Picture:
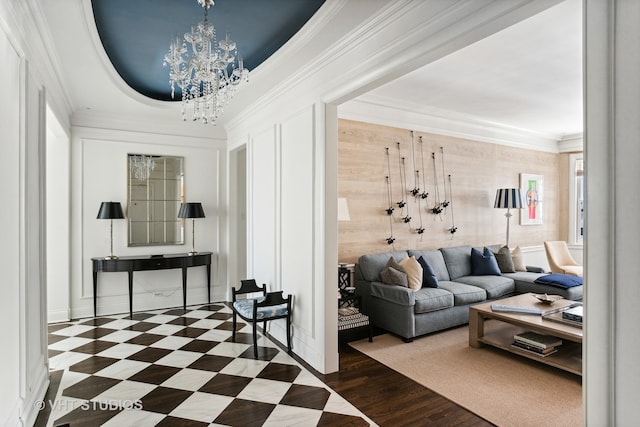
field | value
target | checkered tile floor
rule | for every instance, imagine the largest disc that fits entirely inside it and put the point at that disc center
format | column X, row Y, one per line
column 179, row 368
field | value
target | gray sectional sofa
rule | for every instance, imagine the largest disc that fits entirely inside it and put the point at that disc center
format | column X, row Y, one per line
column 410, row 313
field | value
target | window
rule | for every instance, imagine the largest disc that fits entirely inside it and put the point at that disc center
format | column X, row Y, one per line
column 576, row 198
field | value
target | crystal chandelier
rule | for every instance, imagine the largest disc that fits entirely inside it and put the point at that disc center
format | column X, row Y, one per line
column 141, row 166
column 209, row 76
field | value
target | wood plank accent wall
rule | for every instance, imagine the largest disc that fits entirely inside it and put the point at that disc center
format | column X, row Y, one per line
column 477, row 170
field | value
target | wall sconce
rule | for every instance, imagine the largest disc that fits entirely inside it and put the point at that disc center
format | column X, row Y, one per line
column 191, row 210
column 110, row 211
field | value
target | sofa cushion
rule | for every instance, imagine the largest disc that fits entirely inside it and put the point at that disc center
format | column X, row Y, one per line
column 435, row 259
column 432, row 299
column 412, row 267
column 458, row 261
column 464, row 294
column 505, row 261
column 495, row 286
column 518, row 259
column 371, row 265
column 429, row 279
column 393, row 276
column 484, row 263
column 561, row 280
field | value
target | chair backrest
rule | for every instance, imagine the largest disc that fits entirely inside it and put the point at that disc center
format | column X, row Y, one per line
column 558, row 255
column 273, row 299
column 249, row 286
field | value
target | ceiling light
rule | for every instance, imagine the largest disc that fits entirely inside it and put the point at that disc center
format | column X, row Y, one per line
column 206, row 74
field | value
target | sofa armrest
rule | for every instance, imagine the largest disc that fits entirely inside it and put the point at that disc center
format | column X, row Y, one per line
column 395, row 294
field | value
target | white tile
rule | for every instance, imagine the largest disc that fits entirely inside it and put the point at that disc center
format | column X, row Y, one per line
column 189, row 379
column 161, row 318
column 70, row 378
column 339, row 405
column 120, row 336
column 284, row 358
column 171, row 342
column 165, row 329
column 73, row 330
column 135, row 417
column 121, row 351
column 206, row 323
column 284, row 415
column 125, row 391
column 215, row 335
column 122, row 369
column 307, row 378
column 63, row 405
column 203, row 407
column 198, row 314
column 179, row 358
column 69, row 343
column 229, row 349
column 66, row 359
column 120, row 324
column 244, row 367
column 262, row 390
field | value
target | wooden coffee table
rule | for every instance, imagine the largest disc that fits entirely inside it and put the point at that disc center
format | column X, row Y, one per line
column 500, row 335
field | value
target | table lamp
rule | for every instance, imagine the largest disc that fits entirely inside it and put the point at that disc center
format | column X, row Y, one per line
column 191, row 210
column 509, row 198
column 110, row 211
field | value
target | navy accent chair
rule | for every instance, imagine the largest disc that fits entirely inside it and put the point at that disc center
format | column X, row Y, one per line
column 269, row 306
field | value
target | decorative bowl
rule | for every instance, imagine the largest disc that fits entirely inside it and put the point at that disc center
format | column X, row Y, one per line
column 548, row 299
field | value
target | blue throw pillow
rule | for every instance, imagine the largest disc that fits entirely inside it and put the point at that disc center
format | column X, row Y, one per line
column 484, row 263
column 429, row 279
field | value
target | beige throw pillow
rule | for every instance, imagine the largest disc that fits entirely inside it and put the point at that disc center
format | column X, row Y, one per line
column 518, row 259
column 412, row 267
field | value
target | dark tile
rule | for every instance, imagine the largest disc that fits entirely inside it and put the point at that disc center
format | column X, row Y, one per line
column 180, row 422
column 150, row 354
column 280, row 372
column 155, row 374
column 243, row 338
column 246, row 413
column 91, row 417
column 53, row 353
column 220, row 316
column 176, row 312
column 98, row 321
column 191, row 332
column 164, row 400
column 306, row 397
column 141, row 327
column 94, row 347
column 211, row 363
column 92, row 364
column 212, row 307
column 55, row 338
column 226, row 326
column 145, row 339
column 200, row 346
column 227, row 385
column 140, row 316
column 264, row 353
column 97, row 333
column 331, row 419
column 89, row 387
column 57, row 326
column 183, row 321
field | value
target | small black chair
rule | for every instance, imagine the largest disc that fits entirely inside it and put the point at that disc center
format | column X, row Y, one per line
column 270, row 306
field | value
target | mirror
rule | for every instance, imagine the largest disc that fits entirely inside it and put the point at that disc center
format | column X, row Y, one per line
column 156, row 189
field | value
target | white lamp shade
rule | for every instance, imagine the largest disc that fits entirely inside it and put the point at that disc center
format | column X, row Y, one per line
column 508, row 198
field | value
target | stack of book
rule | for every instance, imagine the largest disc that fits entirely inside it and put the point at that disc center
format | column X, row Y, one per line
column 574, row 314
column 538, row 344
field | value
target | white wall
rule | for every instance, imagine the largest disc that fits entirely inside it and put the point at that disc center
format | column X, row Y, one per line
column 99, row 162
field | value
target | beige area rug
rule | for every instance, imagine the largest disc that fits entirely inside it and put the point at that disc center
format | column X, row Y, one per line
column 503, row 388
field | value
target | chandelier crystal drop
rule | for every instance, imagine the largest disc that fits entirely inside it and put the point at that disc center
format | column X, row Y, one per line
column 209, row 74
column 141, row 166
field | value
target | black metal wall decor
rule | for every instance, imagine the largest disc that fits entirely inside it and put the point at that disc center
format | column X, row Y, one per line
column 453, row 228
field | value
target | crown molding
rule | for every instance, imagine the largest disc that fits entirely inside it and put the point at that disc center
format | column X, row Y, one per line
column 441, row 122
column 571, row 143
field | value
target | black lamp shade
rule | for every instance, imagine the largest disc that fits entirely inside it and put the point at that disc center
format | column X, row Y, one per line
column 191, row 210
column 508, row 198
column 110, row 210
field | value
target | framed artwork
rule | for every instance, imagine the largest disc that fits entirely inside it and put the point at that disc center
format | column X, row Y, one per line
column 532, row 187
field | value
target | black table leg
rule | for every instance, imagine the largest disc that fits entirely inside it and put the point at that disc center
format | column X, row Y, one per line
column 131, row 294
column 95, row 291
column 184, row 288
column 209, row 283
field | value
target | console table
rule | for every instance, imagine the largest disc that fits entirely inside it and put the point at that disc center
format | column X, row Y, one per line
column 151, row 262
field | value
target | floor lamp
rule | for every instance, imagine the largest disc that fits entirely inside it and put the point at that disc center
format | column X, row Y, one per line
column 110, row 211
column 508, row 198
column 191, row 210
